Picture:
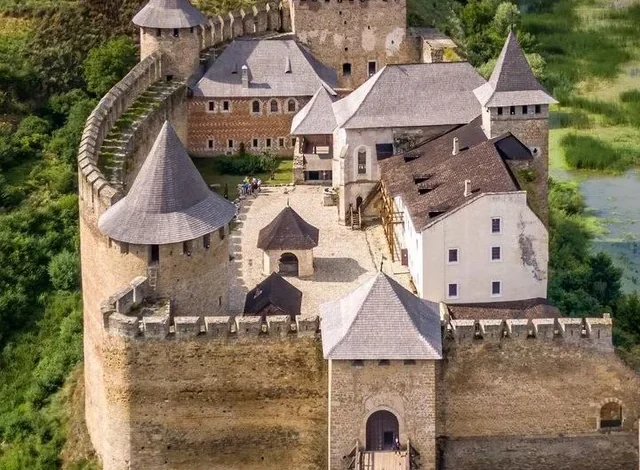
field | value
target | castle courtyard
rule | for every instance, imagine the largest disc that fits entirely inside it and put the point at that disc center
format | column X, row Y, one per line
column 343, row 258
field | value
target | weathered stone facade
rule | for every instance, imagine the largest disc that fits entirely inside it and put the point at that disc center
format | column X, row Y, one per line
column 180, row 49
column 408, row 390
column 355, row 38
column 271, row 261
column 233, row 119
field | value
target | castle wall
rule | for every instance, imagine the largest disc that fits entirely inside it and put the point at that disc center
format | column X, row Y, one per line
column 181, row 52
column 257, row 19
column 241, row 125
column 533, row 130
column 515, row 387
column 406, row 390
column 198, row 403
column 355, row 32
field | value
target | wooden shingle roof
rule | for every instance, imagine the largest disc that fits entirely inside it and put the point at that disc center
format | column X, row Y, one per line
column 169, row 202
column 274, row 291
column 169, row 14
column 288, row 231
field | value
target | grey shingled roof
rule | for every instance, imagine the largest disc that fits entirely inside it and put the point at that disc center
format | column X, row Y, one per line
column 268, row 61
column 288, row 231
column 169, row 14
column 412, row 96
column 316, row 117
column 432, row 168
column 169, row 202
column 512, row 81
column 274, row 291
column 381, row 320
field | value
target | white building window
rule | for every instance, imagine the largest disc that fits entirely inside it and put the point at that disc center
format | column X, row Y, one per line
column 452, row 291
column 274, row 107
column 496, row 288
column 211, row 144
column 267, row 143
column 226, row 106
column 496, row 253
column 453, row 256
column 362, row 162
column 281, row 141
column 496, row 225
column 292, row 106
column 255, row 143
column 255, row 107
column 211, row 106
column 230, row 143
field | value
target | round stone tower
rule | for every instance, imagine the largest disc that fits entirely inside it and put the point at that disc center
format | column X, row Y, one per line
column 174, row 229
column 174, row 28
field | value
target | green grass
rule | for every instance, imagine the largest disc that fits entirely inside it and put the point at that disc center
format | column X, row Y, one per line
column 207, row 168
column 586, row 152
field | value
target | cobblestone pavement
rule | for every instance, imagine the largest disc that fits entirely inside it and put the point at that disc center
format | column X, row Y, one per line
column 343, row 259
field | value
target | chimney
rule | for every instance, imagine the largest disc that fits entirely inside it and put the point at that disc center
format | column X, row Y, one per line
column 456, row 146
column 245, row 76
column 467, row 188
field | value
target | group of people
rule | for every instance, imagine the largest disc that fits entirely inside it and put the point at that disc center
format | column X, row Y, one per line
column 249, row 186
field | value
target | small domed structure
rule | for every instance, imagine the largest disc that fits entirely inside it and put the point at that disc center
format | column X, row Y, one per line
column 288, row 244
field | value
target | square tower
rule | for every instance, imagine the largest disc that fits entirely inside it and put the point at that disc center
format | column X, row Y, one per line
column 514, row 102
column 355, row 37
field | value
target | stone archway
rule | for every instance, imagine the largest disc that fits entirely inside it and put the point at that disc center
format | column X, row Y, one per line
column 288, row 265
column 382, row 430
column 611, row 415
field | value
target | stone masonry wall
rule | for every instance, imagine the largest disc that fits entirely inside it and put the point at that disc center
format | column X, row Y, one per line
column 241, row 125
column 199, row 404
column 407, row 390
column 181, row 53
column 528, row 387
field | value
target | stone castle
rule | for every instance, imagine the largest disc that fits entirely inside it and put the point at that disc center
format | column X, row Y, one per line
column 379, row 378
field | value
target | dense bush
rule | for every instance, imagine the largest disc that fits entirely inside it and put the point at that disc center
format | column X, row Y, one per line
column 592, row 153
column 247, row 165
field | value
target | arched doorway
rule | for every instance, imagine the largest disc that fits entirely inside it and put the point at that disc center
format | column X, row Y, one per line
column 358, row 202
column 288, row 264
column 382, row 430
column 611, row 416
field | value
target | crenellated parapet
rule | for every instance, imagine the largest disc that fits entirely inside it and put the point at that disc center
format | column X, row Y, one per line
column 589, row 332
column 131, row 313
column 95, row 191
column 254, row 20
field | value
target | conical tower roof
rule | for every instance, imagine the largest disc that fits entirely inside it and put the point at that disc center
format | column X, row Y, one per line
column 169, row 202
column 381, row 320
column 169, row 14
column 512, row 82
column 288, row 231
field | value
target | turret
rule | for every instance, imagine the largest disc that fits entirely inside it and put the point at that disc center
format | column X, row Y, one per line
column 514, row 101
column 174, row 229
column 172, row 27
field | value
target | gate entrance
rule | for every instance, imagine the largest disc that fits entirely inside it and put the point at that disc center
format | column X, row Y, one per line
column 382, row 430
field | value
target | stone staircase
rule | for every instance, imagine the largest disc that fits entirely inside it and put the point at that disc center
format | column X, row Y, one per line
column 113, row 152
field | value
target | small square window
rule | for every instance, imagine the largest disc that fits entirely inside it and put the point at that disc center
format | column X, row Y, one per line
column 226, row 105
column 212, row 106
column 453, row 256
column 176, row 33
column 500, row 111
column 211, row 143
column 496, row 225
column 525, row 110
column 452, row 291
column 159, row 32
column 538, row 109
column 281, row 142
column 268, row 143
column 357, row 363
column 230, row 143
column 346, row 69
column 512, row 110
column 254, row 143
column 383, row 362
column 496, row 253
column 496, row 289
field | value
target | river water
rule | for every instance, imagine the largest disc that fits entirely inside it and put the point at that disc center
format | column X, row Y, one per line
column 615, row 200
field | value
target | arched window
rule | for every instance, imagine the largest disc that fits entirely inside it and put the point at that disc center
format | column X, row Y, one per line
column 288, row 265
column 291, row 106
column 611, row 415
column 273, row 106
column 255, row 106
column 362, row 162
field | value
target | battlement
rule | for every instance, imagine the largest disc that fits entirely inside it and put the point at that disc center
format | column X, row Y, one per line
column 130, row 313
column 254, row 20
column 95, row 191
column 590, row 332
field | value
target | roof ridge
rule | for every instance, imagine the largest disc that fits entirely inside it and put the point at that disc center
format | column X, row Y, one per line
column 371, row 82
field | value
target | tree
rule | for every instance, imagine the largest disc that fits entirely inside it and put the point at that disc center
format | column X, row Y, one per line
column 107, row 64
column 507, row 18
